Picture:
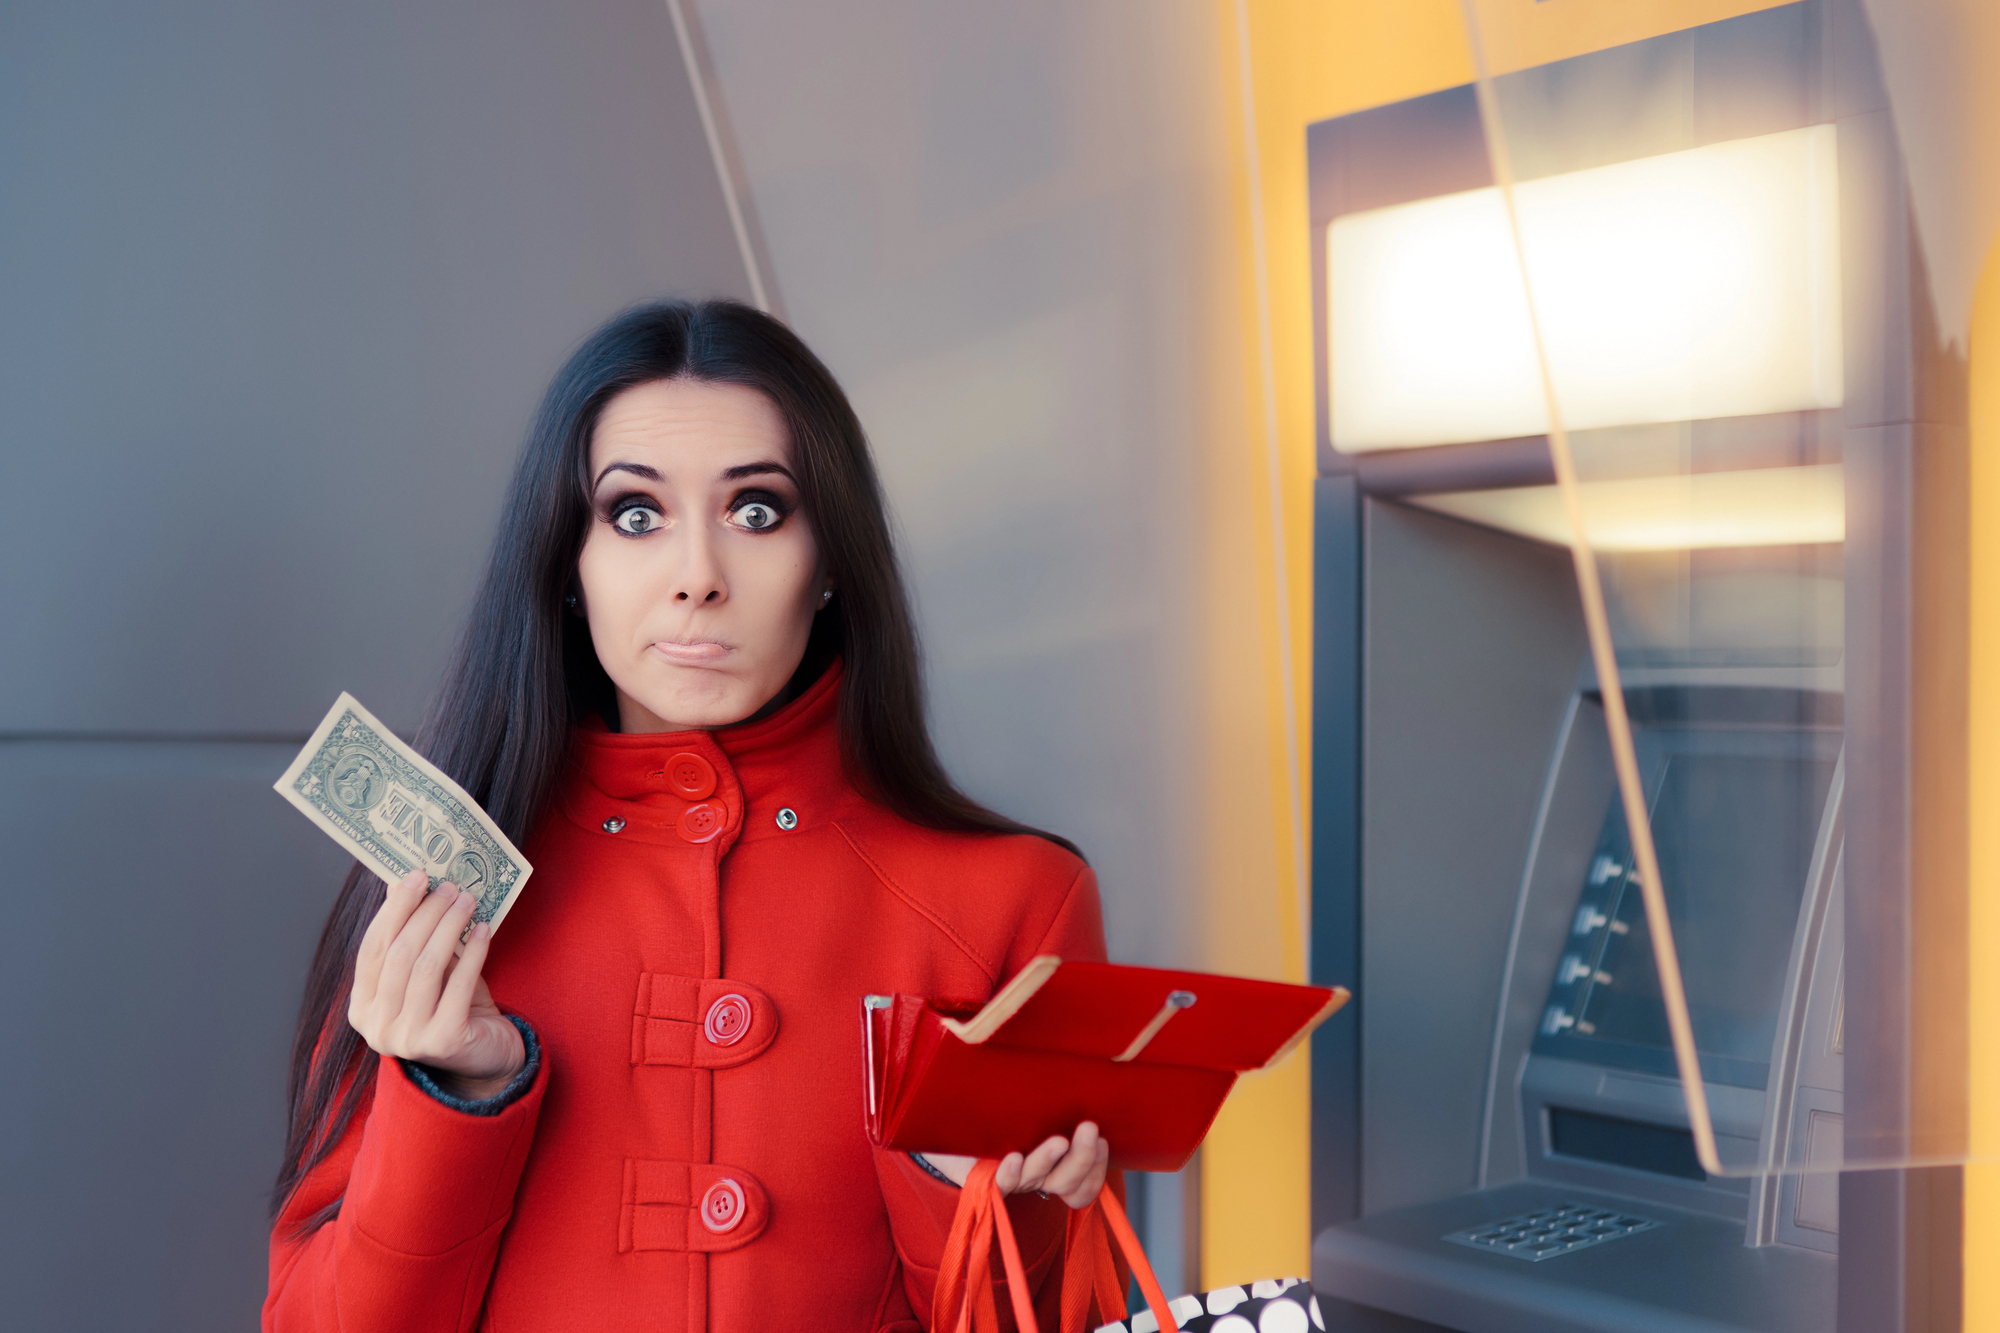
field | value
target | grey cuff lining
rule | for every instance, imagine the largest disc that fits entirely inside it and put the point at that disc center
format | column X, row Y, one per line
column 517, row 1086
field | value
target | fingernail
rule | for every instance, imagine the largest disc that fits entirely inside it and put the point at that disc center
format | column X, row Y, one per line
column 484, row 930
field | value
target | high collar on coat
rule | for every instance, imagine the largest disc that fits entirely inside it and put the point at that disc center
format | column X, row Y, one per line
column 787, row 761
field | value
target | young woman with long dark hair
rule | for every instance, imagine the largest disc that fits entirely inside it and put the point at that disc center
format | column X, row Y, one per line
column 689, row 689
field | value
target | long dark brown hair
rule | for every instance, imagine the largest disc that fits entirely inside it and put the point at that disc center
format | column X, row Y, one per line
column 523, row 672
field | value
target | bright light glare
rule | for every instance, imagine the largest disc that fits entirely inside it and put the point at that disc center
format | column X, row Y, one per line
column 1777, row 506
column 1698, row 284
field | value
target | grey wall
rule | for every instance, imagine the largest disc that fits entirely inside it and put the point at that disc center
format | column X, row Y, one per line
column 995, row 222
column 279, row 283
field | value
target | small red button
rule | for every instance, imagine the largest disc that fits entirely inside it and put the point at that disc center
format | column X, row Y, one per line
column 728, row 1020
column 691, row 777
column 722, row 1206
column 701, row 822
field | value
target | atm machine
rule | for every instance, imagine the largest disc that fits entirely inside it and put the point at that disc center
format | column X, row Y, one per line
column 1501, row 1140
column 1583, row 1114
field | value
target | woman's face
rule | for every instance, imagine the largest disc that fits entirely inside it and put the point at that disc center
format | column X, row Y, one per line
column 699, row 575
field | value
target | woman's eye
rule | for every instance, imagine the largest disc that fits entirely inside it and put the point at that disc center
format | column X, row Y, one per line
column 758, row 516
column 636, row 520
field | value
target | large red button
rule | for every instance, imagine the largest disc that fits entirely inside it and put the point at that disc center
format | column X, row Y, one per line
column 701, row 821
column 691, row 777
column 728, row 1020
column 722, row 1207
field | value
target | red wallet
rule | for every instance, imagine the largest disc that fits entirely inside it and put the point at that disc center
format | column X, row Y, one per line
column 1146, row 1053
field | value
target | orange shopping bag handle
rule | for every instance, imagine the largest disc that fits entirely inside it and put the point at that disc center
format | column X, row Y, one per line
column 963, row 1302
column 1088, row 1269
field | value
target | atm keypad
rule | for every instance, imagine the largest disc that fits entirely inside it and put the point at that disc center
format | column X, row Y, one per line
column 1547, row 1232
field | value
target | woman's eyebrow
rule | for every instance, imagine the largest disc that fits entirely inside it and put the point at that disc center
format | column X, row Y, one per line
column 637, row 469
column 758, row 470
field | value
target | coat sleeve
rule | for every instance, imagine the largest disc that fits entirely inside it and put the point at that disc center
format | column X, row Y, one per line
column 921, row 1207
column 424, row 1191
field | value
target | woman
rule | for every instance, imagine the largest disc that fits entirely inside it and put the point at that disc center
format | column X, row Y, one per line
column 689, row 689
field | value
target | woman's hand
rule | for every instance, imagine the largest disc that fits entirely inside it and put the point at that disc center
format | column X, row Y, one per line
column 1071, row 1169
column 413, row 1000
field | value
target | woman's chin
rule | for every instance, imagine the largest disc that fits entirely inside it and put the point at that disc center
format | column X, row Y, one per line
column 708, row 701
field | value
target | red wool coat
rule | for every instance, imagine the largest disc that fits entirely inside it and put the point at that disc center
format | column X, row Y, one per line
column 707, row 910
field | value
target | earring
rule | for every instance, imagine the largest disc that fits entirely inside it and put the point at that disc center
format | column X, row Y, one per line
column 826, row 596
column 570, row 601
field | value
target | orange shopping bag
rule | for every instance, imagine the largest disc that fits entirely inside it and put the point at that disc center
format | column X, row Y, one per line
column 965, row 1301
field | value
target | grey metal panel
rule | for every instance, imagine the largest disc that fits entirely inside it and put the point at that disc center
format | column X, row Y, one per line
column 1349, row 1317
column 1472, row 642
column 1489, row 465
column 1875, row 241
column 1878, row 726
column 1691, row 1275
column 1336, row 847
column 1893, row 1260
column 1758, row 74
column 1742, row 77
column 281, row 284
column 1806, row 1209
column 162, row 903
column 1806, row 1061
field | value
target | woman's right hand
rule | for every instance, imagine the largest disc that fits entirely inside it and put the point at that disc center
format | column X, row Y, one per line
column 412, row 999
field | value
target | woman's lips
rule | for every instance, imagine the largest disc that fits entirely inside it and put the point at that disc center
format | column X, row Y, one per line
column 692, row 652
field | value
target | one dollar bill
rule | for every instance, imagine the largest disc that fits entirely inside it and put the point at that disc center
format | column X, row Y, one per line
column 389, row 806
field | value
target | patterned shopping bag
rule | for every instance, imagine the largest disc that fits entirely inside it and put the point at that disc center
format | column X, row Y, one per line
column 1281, row 1305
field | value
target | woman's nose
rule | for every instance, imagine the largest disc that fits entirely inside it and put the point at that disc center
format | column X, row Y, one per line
column 699, row 579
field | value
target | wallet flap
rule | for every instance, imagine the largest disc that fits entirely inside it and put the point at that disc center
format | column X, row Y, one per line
column 1154, row 1015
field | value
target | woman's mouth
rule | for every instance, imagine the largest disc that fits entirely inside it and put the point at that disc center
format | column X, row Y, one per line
column 692, row 652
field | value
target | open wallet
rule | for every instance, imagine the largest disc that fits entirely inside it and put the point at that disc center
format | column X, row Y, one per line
column 1146, row 1053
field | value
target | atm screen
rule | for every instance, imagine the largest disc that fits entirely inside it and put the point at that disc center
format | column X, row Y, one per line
column 1734, row 816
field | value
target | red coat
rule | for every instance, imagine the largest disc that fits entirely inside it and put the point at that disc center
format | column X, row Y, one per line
column 691, row 1155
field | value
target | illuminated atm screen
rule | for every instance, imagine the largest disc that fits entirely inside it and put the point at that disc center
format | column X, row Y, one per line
column 1735, row 816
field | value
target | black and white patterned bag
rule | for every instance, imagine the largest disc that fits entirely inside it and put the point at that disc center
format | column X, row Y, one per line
column 1282, row 1305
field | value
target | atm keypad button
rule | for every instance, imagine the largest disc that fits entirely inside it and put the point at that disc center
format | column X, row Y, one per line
column 1548, row 1232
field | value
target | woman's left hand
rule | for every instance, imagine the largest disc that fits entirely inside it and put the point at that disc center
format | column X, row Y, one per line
column 1071, row 1169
